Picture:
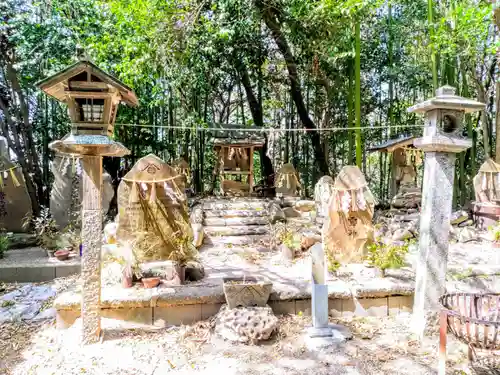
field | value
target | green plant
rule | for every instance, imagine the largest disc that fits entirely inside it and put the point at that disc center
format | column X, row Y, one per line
column 7, row 303
column 385, row 256
column 495, row 230
column 45, row 229
column 184, row 251
column 4, row 244
column 288, row 238
column 333, row 264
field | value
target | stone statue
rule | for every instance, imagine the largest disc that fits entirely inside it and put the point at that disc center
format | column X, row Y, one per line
column 287, row 181
column 487, row 183
column 348, row 228
column 322, row 193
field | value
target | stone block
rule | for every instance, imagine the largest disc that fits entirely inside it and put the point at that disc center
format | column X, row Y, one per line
column 283, row 307
column 209, row 309
column 335, row 307
column 371, row 307
column 365, row 307
column 35, row 274
column 66, row 318
column 177, row 315
column 142, row 315
column 64, row 271
column 303, row 306
column 8, row 274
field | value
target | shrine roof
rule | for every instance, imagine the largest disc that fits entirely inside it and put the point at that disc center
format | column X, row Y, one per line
column 56, row 84
column 392, row 144
column 231, row 135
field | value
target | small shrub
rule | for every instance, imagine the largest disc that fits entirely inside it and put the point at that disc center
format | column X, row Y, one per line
column 385, row 256
column 4, row 244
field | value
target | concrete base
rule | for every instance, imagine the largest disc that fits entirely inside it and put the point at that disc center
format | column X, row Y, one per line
column 320, row 338
column 33, row 265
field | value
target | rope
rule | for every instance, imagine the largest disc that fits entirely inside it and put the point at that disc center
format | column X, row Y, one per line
column 263, row 130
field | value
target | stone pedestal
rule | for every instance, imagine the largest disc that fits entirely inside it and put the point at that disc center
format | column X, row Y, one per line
column 91, row 253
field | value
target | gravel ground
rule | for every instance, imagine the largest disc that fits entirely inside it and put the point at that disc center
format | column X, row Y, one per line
column 379, row 346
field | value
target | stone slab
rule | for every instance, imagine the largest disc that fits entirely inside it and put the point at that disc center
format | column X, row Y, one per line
column 382, row 287
column 399, row 304
column 236, row 213
column 217, row 231
column 177, row 315
column 235, row 221
column 283, row 307
column 141, row 315
column 209, row 310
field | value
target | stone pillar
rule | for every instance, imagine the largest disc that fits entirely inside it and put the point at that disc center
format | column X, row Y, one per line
column 91, row 253
column 441, row 141
column 435, row 217
column 319, row 293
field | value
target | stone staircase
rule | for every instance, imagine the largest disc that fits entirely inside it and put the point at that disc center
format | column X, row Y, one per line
column 236, row 221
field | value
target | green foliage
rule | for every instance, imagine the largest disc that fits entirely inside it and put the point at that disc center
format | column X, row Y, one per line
column 46, row 230
column 385, row 256
column 495, row 229
column 333, row 264
column 4, row 244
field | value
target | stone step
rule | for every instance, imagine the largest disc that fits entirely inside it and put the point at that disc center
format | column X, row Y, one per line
column 236, row 213
column 216, row 231
column 235, row 221
column 249, row 239
column 239, row 204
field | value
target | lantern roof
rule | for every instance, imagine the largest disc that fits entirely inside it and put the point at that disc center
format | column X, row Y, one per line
column 392, row 144
column 446, row 98
column 57, row 84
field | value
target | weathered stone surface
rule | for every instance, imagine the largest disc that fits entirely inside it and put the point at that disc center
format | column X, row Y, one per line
column 305, row 205
column 237, row 213
column 197, row 234
column 458, row 217
column 275, row 213
column 287, row 254
column 247, row 325
column 467, row 234
column 382, row 287
column 402, row 235
column 235, row 230
column 308, row 239
column 291, row 212
column 247, row 291
column 323, row 191
column 197, row 215
column 24, row 303
column 236, row 221
column 15, row 202
column 250, row 239
column 91, row 253
column 234, row 204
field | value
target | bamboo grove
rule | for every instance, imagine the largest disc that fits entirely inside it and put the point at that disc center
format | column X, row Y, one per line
column 338, row 74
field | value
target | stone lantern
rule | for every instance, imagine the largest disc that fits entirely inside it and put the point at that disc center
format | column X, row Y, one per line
column 441, row 141
column 92, row 97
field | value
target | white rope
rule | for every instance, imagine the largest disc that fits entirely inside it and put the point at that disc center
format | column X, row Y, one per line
column 263, row 130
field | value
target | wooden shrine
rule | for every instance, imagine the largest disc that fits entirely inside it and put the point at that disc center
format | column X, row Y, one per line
column 234, row 151
column 403, row 161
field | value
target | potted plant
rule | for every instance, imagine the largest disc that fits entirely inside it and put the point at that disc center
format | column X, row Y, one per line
column 246, row 291
column 46, row 231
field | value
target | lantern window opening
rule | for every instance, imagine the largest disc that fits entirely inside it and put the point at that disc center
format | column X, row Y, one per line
column 90, row 109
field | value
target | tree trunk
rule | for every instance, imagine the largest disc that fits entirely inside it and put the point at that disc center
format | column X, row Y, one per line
column 434, row 63
column 257, row 115
column 269, row 16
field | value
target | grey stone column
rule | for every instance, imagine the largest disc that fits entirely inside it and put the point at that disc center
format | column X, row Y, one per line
column 91, row 253
column 435, row 216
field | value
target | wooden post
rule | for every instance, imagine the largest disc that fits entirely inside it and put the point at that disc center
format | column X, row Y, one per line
column 443, row 328
column 250, row 175
column 91, row 252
